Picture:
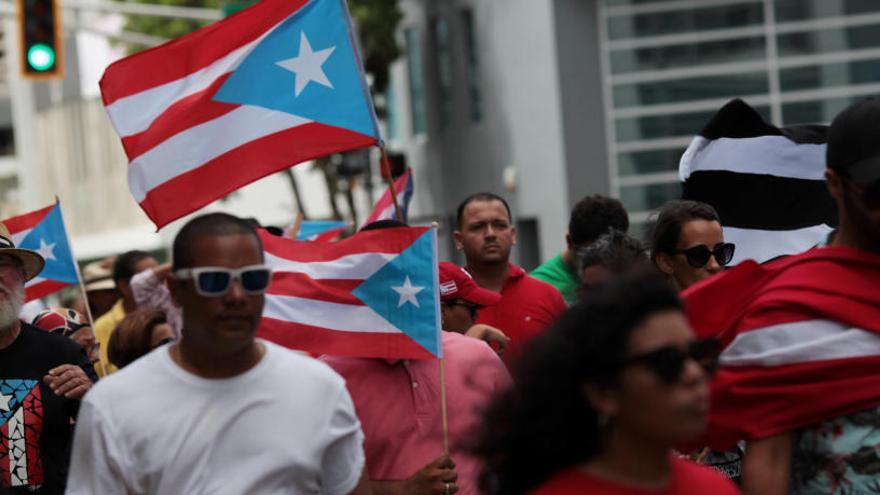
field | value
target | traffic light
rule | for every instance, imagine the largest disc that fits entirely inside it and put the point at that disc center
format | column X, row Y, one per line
column 40, row 31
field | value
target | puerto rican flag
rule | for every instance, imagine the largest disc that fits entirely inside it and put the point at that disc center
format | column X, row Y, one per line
column 320, row 230
column 258, row 92
column 374, row 294
column 384, row 208
column 43, row 231
column 802, row 341
column 21, row 424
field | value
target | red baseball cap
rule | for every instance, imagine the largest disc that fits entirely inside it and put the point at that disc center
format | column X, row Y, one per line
column 457, row 283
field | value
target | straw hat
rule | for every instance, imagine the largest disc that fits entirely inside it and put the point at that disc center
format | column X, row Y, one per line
column 31, row 261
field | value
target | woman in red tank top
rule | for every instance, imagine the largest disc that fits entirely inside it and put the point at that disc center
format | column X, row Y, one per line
column 602, row 397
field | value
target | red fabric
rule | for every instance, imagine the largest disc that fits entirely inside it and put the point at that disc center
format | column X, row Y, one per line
column 216, row 178
column 528, row 306
column 835, row 283
column 687, row 479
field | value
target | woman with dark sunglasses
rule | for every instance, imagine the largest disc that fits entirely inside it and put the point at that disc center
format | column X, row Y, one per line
column 601, row 399
column 687, row 242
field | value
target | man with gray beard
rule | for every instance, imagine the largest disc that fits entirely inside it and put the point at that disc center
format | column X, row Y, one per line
column 42, row 378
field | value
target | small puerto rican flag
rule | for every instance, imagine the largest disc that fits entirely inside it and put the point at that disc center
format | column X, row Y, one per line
column 374, row 294
column 43, row 231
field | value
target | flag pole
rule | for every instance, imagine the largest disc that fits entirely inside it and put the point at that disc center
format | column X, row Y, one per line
column 79, row 279
column 441, row 362
column 443, row 415
column 386, row 171
column 297, row 224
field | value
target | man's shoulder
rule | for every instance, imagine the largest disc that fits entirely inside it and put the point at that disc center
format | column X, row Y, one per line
column 550, row 270
column 48, row 342
column 304, row 367
column 143, row 372
column 463, row 348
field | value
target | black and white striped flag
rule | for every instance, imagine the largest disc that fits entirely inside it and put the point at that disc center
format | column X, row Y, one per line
column 767, row 183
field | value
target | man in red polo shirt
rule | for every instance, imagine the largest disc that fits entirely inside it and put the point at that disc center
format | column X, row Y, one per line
column 528, row 306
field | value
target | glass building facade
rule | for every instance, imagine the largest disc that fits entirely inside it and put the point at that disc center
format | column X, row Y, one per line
column 669, row 65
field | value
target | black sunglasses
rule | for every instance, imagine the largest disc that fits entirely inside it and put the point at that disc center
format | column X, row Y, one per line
column 698, row 256
column 668, row 362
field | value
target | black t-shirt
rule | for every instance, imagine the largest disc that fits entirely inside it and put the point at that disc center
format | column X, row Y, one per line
column 35, row 424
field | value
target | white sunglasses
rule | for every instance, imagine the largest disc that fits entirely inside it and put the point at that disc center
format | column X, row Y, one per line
column 214, row 281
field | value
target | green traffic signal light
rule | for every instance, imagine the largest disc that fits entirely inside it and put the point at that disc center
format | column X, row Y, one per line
column 41, row 57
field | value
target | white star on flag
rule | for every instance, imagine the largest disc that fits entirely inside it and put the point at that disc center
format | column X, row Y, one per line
column 408, row 293
column 4, row 402
column 47, row 251
column 307, row 65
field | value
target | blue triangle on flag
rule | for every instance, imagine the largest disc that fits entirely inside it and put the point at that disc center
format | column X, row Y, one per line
column 307, row 67
column 50, row 239
column 12, row 395
column 405, row 293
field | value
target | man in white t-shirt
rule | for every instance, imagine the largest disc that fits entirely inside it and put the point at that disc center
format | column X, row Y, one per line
column 219, row 412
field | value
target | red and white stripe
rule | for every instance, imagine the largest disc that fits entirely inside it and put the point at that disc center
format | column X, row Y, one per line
column 384, row 207
column 310, row 306
column 185, row 149
column 19, row 227
column 802, row 342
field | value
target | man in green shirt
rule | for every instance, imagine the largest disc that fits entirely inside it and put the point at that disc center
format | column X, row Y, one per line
column 591, row 217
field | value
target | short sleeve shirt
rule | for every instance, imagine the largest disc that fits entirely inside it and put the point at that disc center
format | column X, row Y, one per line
column 838, row 457
column 558, row 274
column 528, row 306
column 35, row 424
column 286, row 426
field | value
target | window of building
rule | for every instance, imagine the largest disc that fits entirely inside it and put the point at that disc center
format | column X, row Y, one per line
column 648, row 162
column 416, row 81
column 685, row 21
column 687, row 55
column 440, row 38
column 830, row 75
column 473, row 67
column 801, row 10
column 829, row 40
column 649, row 196
column 816, row 112
column 690, row 89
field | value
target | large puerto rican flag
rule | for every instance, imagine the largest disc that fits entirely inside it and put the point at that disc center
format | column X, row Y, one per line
column 21, row 425
column 269, row 87
column 43, row 231
column 384, row 207
column 801, row 337
column 374, row 294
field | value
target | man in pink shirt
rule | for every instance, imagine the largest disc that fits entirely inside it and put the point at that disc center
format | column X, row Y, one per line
column 398, row 403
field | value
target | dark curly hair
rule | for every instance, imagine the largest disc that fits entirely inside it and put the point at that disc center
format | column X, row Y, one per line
column 545, row 424
column 592, row 216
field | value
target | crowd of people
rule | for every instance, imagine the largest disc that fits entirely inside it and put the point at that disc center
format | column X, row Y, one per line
column 592, row 374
